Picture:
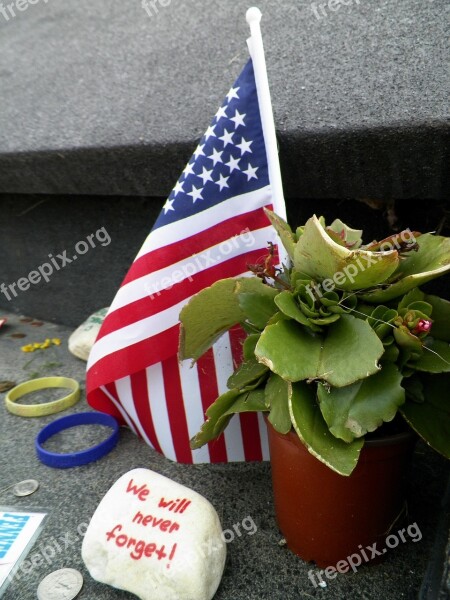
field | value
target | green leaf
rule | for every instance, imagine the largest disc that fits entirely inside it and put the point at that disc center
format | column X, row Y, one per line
column 349, row 351
column 277, row 399
column 248, row 348
column 258, row 308
column 318, row 256
column 207, row 316
column 311, row 428
column 351, row 236
column 435, row 357
column 430, row 261
column 431, row 419
column 284, row 232
column 246, row 374
column 440, row 317
column 221, row 411
column 354, row 410
column 213, row 311
column 289, row 351
column 287, row 304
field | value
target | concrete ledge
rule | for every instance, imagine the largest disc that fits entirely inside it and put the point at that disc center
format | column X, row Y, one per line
column 103, row 98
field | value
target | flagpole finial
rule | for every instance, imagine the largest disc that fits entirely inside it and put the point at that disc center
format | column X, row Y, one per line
column 253, row 15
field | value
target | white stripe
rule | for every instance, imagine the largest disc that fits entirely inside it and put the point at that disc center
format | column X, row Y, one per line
column 125, row 416
column 125, row 393
column 189, row 226
column 223, row 360
column 193, row 407
column 264, row 438
column 158, row 409
column 152, row 284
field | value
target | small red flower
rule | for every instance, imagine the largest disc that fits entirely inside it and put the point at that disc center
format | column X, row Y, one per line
column 423, row 326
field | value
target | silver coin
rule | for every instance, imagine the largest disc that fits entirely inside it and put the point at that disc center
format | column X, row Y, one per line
column 26, row 487
column 64, row 584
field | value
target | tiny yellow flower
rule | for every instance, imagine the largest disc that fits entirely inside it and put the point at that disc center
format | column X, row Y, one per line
column 56, row 341
column 27, row 348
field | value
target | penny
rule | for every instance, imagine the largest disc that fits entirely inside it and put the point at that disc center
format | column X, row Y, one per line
column 64, row 584
column 26, row 487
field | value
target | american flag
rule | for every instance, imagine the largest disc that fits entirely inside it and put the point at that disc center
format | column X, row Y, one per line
column 211, row 227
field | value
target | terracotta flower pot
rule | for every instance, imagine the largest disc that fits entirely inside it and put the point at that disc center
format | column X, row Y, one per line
column 326, row 517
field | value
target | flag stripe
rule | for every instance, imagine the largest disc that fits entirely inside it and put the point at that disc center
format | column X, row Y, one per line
column 180, row 230
column 173, row 254
column 209, row 390
column 147, row 306
column 140, row 395
column 177, row 416
column 159, row 409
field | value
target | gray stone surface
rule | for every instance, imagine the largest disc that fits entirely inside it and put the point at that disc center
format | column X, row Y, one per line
column 100, row 98
column 258, row 567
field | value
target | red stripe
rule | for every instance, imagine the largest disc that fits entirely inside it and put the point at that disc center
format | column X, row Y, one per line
column 111, row 387
column 139, row 390
column 179, row 250
column 133, row 358
column 98, row 400
column 209, row 392
column 175, row 409
column 147, row 307
column 249, row 421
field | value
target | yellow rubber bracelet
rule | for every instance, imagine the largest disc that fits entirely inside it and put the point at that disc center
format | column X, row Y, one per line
column 48, row 408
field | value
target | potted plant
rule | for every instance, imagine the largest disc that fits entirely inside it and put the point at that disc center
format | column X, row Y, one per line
column 347, row 357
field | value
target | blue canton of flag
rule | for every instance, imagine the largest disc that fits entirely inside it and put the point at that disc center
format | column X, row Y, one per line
column 230, row 158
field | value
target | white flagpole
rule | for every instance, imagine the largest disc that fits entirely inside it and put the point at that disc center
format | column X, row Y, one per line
column 256, row 48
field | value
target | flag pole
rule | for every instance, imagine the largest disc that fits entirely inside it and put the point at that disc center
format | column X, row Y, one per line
column 256, row 48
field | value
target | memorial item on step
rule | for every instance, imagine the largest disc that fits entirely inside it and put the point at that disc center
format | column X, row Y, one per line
column 76, row 459
column 64, row 584
column 155, row 538
column 83, row 338
column 46, row 408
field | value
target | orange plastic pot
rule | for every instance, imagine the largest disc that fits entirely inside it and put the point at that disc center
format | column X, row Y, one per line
column 326, row 517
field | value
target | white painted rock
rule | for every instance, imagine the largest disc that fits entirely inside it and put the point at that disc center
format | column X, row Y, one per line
column 155, row 538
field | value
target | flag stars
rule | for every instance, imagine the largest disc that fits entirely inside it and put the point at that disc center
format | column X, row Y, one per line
column 199, row 151
column 227, row 138
column 232, row 94
column 222, row 182
column 238, row 119
column 188, row 170
column 196, row 194
column 233, row 163
column 205, row 175
column 250, row 172
column 168, row 205
column 210, row 132
column 216, row 156
column 221, row 113
column 244, row 146
column 178, row 188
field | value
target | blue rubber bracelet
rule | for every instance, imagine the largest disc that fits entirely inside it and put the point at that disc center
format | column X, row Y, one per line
column 76, row 459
